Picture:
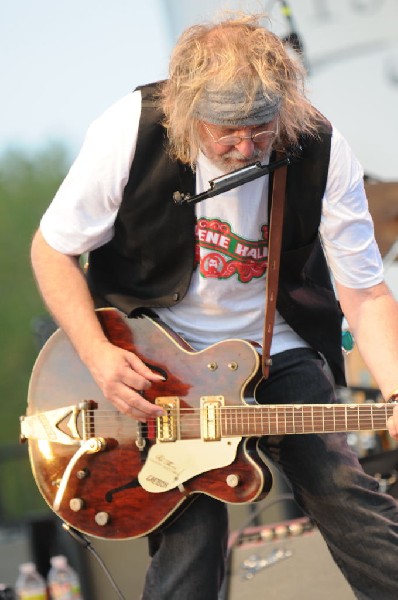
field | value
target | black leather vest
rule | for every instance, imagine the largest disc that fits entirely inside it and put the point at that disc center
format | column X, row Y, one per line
column 149, row 261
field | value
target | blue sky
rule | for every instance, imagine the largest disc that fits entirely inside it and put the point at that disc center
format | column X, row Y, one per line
column 62, row 63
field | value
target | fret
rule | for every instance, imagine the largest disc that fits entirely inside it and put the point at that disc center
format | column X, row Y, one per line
column 308, row 420
column 282, row 419
column 224, row 423
column 253, row 422
column 274, row 421
column 386, row 412
column 287, row 423
column 299, row 425
column 259, row 420
column 329, row 419
column 289, row 420
column 246, row 420
column 237, row 421
column 351, row 418
column 340, row 418
column 319, row 419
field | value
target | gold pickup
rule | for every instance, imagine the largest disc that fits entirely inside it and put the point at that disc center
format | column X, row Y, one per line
column 167, row 424
column 211, row 417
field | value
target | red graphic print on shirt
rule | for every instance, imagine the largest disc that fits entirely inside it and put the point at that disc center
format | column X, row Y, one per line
column 229, row 254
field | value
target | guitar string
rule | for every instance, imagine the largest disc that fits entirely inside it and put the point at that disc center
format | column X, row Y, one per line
column 318, row 421
column 270, row 407
column 306, row 411
column 261, row 412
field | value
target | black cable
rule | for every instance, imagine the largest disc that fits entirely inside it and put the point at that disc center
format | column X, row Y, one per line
column 83, row 541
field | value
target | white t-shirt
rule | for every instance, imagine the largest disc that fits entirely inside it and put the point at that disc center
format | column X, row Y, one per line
column 226, row 294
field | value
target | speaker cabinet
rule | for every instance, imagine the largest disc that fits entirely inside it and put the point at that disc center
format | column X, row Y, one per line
column 284, row 561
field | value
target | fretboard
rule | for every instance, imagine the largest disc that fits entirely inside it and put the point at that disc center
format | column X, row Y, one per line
column 309, row 418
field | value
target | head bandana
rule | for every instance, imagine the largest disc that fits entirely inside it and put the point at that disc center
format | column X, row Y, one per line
column 227, row 107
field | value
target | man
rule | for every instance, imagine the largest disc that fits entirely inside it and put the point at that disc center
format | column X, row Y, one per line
column 233, row 96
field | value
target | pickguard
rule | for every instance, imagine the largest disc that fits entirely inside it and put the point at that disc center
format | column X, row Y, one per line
column 169, row 465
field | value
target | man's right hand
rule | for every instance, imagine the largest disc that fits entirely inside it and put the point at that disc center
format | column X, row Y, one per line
column 123, row 379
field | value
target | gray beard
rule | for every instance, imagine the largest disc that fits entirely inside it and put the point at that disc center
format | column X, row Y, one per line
column 235, row 160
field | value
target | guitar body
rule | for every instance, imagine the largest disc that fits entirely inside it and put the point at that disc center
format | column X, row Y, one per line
column 103, row 496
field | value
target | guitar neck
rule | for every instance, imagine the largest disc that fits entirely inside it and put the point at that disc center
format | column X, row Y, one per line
column 310, row 418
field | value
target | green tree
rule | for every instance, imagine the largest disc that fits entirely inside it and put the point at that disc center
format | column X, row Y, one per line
column 28, row 182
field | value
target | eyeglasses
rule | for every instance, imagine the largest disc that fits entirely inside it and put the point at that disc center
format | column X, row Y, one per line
column 234, row 140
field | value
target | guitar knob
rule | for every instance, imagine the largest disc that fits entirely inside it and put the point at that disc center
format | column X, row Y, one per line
column 76, row 504
column 267, row 534
column 296, row 528
column 82, row 473
column 102, row 518
column 232, row 480
column 281, row 531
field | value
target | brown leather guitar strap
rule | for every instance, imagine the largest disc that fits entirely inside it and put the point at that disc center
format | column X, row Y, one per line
column 274, row 252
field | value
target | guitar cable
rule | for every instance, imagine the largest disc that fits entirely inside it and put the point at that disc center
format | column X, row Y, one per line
column 83, row 541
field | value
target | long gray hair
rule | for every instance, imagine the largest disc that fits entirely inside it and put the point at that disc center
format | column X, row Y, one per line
column 238, row 50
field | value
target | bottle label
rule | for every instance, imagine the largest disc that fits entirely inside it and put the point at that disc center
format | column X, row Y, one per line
column 64, row 591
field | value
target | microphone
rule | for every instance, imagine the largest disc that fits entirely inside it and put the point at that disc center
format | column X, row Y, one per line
column 231, row 180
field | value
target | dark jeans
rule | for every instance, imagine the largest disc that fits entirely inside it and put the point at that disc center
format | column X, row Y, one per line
column 358, row 523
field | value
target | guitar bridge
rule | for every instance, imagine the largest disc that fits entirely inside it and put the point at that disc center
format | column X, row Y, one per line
column 211, row 417
column 61, row 425
column 167, row 424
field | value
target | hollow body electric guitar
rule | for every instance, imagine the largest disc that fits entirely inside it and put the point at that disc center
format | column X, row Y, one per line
column 112, row 477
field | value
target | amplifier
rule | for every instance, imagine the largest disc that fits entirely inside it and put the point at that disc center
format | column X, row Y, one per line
column 286, row 561
column 384, row 467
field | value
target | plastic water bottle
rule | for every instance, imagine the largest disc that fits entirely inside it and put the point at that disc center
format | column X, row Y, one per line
column 30, row 585
column 63, row 582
